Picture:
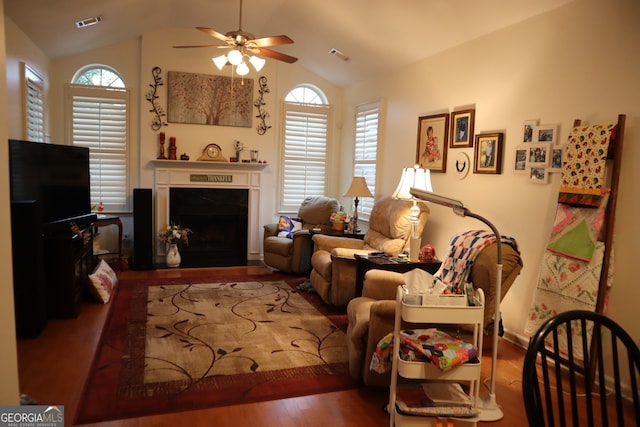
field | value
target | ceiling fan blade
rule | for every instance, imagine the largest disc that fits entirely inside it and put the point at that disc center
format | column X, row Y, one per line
column 214, row 33
column 274, row 55
column 270, row 41
column 211, row 46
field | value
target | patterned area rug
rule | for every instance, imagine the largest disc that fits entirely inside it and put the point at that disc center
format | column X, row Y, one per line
column 174, row 346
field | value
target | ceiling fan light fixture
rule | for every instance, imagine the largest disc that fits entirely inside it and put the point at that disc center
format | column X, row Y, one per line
column 242, row 69
column 220, row 61
column 257, row 62
column 234, row 57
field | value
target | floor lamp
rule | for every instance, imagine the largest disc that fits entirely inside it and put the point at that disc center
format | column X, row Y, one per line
column 489, row 409
column 358, row 188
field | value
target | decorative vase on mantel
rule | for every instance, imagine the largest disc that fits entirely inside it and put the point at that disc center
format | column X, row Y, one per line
column 173, row 256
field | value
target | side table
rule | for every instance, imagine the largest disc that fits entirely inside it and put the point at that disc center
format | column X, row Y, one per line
column 365, row 263
column 332, row 232
column 103, row 221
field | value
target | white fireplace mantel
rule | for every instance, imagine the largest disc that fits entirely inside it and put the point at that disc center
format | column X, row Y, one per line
column 199, row 164
column 209, row 174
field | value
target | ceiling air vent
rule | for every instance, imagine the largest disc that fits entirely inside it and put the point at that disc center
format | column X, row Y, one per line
column 88, row 22
column 335, row 52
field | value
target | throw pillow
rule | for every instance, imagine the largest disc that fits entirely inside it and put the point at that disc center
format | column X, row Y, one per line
column 288, row 226
column 103, row 282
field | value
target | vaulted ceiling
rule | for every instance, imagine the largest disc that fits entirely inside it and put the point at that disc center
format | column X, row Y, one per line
column 378, row 36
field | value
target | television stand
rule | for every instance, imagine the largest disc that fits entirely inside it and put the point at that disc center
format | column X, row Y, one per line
column 68, row 261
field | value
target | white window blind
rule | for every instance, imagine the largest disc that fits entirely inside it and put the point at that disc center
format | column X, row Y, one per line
column 100, row 122
column 305, row 154
column 366, row 150
column 33, row 105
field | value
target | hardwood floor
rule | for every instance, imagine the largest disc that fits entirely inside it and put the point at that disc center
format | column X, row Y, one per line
column 54, row 366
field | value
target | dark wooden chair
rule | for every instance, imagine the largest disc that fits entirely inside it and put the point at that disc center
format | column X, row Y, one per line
column 588, row 377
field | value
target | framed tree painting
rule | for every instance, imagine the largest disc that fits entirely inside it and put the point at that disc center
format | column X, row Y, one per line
column 209, row 99
column 462, row 128
column 433, row 139
column 488, row 153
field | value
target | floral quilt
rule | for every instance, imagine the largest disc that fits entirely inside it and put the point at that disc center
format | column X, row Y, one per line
column 427, row 345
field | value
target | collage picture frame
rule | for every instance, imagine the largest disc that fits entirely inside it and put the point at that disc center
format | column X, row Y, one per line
column 540, row 153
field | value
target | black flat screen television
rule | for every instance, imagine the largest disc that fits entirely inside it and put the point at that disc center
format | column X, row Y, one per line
column 57, row 176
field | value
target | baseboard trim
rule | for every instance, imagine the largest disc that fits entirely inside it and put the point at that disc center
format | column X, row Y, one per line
column 517, row 339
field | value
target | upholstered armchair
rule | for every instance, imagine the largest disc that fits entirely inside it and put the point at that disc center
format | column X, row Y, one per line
column 334, row 268
column 293, row 254
column 372, row 315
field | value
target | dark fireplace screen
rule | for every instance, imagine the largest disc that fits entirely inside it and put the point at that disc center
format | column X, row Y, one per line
column 218, row 218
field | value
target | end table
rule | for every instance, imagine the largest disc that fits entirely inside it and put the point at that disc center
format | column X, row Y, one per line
column 365, row 263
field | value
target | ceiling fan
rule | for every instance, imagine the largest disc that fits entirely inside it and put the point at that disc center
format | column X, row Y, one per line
column 246, row 43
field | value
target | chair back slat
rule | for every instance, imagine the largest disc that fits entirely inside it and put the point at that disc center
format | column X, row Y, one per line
column 581, row 369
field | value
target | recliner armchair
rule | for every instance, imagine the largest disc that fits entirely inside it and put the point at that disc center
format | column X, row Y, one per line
column 372, row 315
column 293, row 255
column 334, row 268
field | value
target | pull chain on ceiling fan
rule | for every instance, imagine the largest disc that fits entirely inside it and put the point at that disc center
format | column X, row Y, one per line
column 243, row 46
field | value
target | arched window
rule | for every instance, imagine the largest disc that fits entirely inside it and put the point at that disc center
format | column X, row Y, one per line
column 304, row 157
column 98, row 108
column 98, row 75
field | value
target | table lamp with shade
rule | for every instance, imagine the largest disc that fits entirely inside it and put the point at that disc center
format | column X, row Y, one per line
column 415, row 177
column 358, row 188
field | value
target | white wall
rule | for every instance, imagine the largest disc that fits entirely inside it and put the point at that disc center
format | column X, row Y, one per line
column 580, row 61
column 9, row 391
column 21, row 49
column 137, row 57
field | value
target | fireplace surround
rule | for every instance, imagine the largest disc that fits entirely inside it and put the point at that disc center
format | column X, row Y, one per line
column 219, row 201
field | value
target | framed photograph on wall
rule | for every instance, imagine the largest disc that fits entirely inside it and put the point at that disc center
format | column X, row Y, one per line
column 488, row 153
column 520, row 162
column 433, row 138
column 527, row 130
column 546, row 133
column 538, row 175
column 539, row 154
column 557, row 158
column 462, row 123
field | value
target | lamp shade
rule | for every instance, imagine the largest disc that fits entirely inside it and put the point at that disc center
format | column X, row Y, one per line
column 220, row 61
column 358, row 188
column 414, row 177
column 257, row 62
column 242, row 69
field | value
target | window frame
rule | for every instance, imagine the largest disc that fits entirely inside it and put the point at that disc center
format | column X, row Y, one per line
column 310, row 156
column 34, row 113
column 116, row 146
column 363, row 149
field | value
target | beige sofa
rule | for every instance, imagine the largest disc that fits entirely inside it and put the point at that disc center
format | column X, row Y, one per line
column 293, row 255
column 334, row 268
column 372, row 315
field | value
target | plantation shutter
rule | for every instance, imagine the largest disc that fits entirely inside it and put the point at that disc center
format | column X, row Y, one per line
column 34, row 106
column 366, row 151
column 305, row 154
column 100, row 122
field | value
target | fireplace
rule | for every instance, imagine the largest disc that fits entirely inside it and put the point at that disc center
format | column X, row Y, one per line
column 220, row 201
column 218, row 218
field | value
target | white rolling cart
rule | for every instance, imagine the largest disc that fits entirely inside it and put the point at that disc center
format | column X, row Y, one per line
column 467, row 373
